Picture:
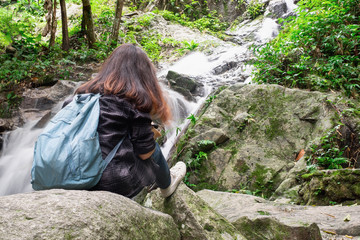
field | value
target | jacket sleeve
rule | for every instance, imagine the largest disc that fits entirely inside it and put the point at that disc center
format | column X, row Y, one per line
column 141, row 134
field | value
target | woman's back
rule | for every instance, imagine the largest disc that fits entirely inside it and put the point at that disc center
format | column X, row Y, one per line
column 126, row 174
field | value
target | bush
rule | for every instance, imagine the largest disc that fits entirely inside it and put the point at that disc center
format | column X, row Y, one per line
column 318, row 50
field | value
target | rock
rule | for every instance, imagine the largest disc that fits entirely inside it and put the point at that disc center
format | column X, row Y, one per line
column 269, row 220
column 331, row 187
column 184, row 85
column 177, row 79
column 216, row 135
column 289, row 188
column 227, row 10
column 45, row 99
column 194, row 217
column 266, row 126
column 225, row 67
column 38, row 103
column 276, row 9
column 5, row 124
column 10, row 50
column 60, row 214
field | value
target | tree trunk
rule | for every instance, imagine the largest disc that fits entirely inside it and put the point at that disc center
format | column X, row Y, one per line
column 88, row 23
column 53, row 26
column 48, row 8
column 65, row 32
column 117, row 19
column 83, row 27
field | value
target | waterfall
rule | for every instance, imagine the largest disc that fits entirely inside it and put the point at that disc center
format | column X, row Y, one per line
column 16, row 159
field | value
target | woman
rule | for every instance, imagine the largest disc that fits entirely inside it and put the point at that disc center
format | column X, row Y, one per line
column 131, row 99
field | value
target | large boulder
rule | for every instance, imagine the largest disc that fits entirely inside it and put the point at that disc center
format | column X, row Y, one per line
column 195, row 218
column 60, row 214
column 260, row 129
column 257, row 218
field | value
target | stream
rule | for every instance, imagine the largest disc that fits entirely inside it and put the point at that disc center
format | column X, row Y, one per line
column 223, row 65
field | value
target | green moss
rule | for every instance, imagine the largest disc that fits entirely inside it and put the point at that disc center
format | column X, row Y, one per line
column 68, row 236
column 264, row 181
column 259, row 174
column 241, row 166
column 274, row 129
column 309, row 176
column 356, row 189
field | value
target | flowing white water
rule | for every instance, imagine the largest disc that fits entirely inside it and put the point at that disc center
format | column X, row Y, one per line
column 16, row 160
column 290, row 5
column 16, row 157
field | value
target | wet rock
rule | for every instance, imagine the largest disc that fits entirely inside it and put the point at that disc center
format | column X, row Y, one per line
column 46, row 98
column 46, row 116
column 270, row 220
column 5, row 124
column 224, row 68
column 289, row 14
column 276, row 9
column 184, row 85
column 60, row 214
column 195, row 218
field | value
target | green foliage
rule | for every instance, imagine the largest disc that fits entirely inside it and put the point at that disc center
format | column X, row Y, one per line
column 15, row 25
column 254, row 9
column 210, row 98
column 205, row 143
column 192, row 118
column 13, row 102
column 189, row 46
column 318, row 50
column 6, row 27
column 178, row 130
column 209, row 23
column 328, row 155
column 194, row 164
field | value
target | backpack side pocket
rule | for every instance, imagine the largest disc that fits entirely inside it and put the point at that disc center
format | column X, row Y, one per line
column 91, row 162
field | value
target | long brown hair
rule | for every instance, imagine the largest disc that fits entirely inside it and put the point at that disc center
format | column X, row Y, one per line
column 128, row 72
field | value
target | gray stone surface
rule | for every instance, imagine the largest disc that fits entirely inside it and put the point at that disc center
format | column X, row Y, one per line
column 276, row 9
column 195, row 218
column 46, row 98
column 60, row 214
column 241, row 208
column 265, row 127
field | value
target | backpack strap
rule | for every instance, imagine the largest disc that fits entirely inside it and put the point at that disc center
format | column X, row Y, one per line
column 111, row 155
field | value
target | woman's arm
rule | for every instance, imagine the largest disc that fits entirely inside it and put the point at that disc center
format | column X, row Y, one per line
column 142, row 135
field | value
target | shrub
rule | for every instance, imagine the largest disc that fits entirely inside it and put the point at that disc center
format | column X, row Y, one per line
column 318, row 50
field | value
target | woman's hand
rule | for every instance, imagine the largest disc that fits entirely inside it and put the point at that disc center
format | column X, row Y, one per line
column 155, row 130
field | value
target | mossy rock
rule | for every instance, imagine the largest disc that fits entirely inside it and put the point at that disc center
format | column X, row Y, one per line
column 330, row 186
column 266, row 126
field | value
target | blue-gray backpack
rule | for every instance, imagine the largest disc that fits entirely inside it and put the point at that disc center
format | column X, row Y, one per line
column 67, row 153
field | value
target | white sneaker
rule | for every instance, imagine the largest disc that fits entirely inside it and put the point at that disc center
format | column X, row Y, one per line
column 177, row 173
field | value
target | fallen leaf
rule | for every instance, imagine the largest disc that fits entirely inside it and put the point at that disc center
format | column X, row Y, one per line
column 329, row 232
column 300, row 155
column 329, row 215
column 347, row 218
